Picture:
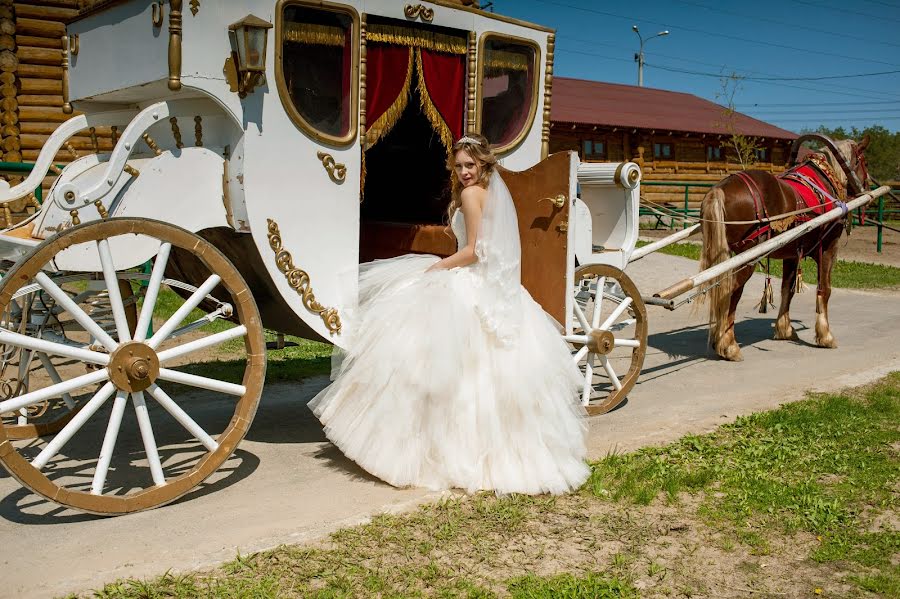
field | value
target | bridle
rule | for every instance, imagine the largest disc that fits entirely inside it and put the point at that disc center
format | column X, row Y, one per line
column 854, row 184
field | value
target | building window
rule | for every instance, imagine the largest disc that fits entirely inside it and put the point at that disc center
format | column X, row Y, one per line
column 662, row 150
column 715, row 153
column 593, row 149
column 762, row 155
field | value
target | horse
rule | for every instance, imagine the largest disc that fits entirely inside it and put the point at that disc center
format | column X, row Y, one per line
column 748, row 207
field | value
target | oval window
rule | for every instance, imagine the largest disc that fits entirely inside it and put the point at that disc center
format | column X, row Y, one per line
column 507, row 89
column 317, row 69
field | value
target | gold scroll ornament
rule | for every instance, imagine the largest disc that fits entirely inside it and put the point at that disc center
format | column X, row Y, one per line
column 337, row 172
column 299, row 280
column 418, row 10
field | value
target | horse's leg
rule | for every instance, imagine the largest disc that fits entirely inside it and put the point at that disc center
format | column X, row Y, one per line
column 783, row 328
column 727, row 346
column 825, row 261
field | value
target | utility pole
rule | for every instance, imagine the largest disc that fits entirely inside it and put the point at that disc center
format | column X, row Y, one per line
column 639, row 56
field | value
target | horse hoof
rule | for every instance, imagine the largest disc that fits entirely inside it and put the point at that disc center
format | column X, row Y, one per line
column 732, row 353
column 828, row 342
column 789, row 335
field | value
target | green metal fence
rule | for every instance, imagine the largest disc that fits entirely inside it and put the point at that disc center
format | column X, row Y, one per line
column 874, row 215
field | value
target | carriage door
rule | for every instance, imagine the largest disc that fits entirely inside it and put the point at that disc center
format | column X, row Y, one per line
column 543, row 196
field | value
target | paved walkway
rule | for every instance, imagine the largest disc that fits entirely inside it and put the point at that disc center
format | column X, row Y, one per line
column 286, row 483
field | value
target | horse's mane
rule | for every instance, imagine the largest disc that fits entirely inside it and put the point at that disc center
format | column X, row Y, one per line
column 845, row 147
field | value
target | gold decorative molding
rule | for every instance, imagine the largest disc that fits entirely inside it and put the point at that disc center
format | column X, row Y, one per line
column 337, row 172
column 67, row 106
column 74, row 44
column 548, row 90
column 299, row 280
column 473, row 82
column 362, row 81
column 195, row 7
column 151, row 144
column 175, row 44
column 414, row 11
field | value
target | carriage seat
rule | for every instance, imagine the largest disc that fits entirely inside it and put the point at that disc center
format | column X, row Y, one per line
column 385, row 239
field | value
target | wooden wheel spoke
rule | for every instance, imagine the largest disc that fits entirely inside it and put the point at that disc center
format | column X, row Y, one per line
column 613, row 377
column 73, row 426
column 53, row 348
column 113, row 292
column 582, row 319
column 80, row 316
column 149, row 440
column 580, row 354
column 181, row 416
column 152, row 292
column 33, row 397
column 181, row 313
column 598, row 302
column 588, row 380
column 202, row 343
column 109, row 442
column 620, row 309
column 193, row 380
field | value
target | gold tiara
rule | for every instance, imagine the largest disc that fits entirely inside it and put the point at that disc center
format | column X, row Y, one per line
column 468, row 140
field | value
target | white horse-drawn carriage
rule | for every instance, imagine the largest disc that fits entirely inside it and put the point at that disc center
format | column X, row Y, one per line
column 261, row 151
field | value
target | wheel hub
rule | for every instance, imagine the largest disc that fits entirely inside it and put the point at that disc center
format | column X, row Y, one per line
column 133, row 366
column 601, row 342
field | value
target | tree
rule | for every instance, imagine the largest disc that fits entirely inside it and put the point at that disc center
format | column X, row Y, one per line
column 744, row 147
column 883, row 153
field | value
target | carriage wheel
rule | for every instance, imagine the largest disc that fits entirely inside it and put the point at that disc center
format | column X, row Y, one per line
column 184, row 425
column 48, row 417
column 609, row 335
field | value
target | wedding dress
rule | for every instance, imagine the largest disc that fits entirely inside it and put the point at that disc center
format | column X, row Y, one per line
column 457, row 378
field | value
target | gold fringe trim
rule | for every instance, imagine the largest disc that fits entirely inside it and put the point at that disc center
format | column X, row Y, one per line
column 416, row 38
column 320, row 35
column 386, row 121
column 497, row 62
column 430, row 110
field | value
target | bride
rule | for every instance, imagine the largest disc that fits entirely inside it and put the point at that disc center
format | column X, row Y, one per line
column 454, row 376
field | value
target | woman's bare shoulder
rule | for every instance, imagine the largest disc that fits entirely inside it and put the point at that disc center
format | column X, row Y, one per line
column 473, row 195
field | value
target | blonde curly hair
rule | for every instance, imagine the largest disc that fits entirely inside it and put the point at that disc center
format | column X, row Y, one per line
column 480, row 150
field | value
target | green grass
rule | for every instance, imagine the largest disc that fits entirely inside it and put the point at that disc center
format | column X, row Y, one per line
column 845, row 275
column 812, row 477
column 826, row 466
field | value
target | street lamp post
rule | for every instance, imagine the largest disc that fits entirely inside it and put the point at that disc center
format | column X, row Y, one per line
column 639, row 57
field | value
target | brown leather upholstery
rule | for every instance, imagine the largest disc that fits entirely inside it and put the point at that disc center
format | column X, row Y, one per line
column 379, row 239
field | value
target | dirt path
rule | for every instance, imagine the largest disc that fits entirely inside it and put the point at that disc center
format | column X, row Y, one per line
column 287, row 484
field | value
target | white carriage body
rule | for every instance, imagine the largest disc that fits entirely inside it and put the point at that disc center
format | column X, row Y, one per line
column 256, row 166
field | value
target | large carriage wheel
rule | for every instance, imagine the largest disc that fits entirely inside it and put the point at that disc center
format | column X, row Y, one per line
column 35, row 314
column 177, row 435
column 609, row 337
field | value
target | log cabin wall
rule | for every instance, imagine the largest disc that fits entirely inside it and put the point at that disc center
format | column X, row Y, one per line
column 31, row 87
column 687, row 163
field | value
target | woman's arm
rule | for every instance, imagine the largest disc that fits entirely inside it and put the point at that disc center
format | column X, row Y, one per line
column 472, row 200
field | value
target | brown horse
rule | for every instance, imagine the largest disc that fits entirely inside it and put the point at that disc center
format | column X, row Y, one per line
column 730, row 212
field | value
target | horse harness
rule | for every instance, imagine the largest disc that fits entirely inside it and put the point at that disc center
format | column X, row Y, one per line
column 810, row 182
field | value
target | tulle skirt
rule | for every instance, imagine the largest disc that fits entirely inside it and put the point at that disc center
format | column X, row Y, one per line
column 425, row 396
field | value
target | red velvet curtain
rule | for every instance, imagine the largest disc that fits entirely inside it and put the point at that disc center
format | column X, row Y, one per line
column 445, row 80
column 386, row 78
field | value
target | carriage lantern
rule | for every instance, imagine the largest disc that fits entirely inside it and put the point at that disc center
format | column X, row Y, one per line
column 248, row 37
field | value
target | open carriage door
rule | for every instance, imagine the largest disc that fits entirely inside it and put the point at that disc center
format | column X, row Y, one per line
column 543, row 196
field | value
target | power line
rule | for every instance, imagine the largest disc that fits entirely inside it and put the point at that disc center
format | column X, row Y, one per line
column 752, row 78
column 817, row 52
column 806, row 104
column 835, row 119
column 844, row 10
column 832, row 111
column 785, row 24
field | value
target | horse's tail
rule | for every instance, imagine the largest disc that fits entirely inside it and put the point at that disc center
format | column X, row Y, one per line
column 715, row 251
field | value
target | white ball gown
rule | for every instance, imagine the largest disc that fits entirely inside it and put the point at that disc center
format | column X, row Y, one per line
column 437, row 390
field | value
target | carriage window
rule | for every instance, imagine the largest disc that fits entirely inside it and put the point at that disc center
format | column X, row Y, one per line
column 508, row 90
column 317, row 69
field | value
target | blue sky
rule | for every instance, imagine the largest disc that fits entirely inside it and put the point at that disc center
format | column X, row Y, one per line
column 784, row 39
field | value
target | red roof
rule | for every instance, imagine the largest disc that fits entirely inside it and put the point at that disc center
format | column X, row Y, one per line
column 617, row 105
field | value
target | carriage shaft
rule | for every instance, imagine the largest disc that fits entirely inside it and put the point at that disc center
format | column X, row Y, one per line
column 768, row 246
